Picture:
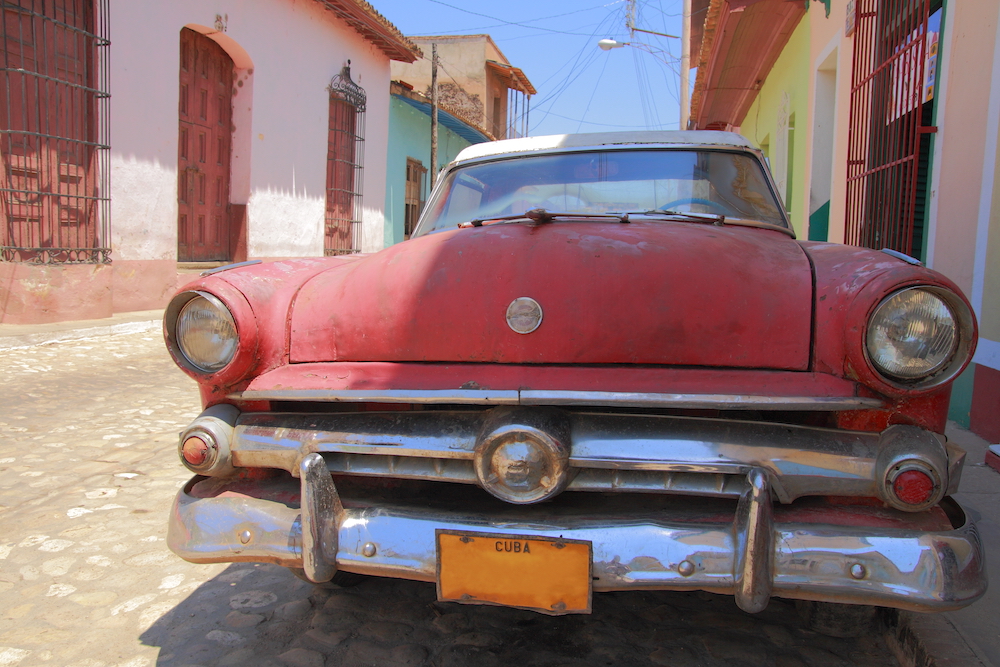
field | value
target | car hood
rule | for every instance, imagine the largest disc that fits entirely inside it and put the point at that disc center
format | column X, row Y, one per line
column 676, row 293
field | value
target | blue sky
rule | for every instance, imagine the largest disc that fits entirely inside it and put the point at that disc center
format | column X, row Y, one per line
column 580, row 87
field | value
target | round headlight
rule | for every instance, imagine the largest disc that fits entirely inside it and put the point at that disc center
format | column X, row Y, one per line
column 912, row 335
column 521, row 464
column 206, row 333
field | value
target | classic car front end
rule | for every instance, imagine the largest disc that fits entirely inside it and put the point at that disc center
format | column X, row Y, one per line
column 603, row 363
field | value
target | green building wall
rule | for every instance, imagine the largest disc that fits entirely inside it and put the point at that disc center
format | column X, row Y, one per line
column 410, row 136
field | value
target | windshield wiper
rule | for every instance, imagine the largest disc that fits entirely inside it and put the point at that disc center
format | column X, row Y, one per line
column 714, row 218
column 539, row 216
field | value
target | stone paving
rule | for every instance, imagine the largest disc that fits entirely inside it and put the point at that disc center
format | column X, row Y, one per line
column 88, row 469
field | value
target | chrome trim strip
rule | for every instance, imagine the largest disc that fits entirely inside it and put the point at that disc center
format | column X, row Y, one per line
column 669, row 550
column 696, row 401
column 422, row 396
column 564, row 398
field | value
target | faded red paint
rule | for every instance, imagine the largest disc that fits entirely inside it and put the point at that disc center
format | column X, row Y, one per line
column 707, row 310
column 44, row 293
column 929, row 411
column 260, row 298
column 850, row 283
column 643, row 293
column 985, row 413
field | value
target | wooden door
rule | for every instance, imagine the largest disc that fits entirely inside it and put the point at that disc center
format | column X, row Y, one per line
column 48, row 179
column 203, row 150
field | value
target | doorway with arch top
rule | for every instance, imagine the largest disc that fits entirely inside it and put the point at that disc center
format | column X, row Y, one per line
column 204, row 148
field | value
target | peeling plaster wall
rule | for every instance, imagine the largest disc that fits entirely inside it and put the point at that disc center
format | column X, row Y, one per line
column 285, row 224
column 143, row 208
column 286, row 52
column 462, row 77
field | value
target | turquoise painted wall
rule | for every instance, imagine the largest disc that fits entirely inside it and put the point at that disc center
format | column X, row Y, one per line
column 410, row 136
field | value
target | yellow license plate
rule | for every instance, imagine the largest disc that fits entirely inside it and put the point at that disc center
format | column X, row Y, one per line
column 544, row 574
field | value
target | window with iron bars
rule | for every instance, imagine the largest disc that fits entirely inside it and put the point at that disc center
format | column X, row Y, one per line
column 888, row 125
column 54, row 170
column 344, row 165
column 414, row 203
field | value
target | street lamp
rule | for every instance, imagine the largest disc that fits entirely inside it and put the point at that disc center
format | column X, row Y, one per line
column 608, row 44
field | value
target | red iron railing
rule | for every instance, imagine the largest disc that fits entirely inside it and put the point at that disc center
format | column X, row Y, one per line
column 886, row 122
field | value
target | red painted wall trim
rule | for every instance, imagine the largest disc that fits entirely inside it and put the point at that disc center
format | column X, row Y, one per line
column 984, row 418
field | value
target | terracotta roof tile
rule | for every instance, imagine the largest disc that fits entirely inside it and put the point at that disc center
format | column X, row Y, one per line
column 375, row 28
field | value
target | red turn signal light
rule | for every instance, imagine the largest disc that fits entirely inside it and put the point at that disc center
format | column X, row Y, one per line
column 195, row 450
column 913, row 487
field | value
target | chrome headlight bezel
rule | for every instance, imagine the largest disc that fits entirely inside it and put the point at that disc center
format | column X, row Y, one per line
column 951, row 365
column 188, row 326
column 244, row 345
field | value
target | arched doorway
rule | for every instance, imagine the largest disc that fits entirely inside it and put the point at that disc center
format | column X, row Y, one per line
column 203, row 150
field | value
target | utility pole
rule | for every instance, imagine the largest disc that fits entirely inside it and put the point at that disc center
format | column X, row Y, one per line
column 434, row 113
column 685, row 65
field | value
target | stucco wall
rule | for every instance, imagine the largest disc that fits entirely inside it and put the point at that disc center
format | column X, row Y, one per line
column 967, row 46
column 461, row 76
column 986, row 272
column 286, row 52
column 832, row 52
column 410, row 136
column 786, row 92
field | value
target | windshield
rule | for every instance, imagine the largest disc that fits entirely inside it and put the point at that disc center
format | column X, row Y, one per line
column 610, row 181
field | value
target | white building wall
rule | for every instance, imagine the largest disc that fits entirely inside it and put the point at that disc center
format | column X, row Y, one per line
column 286, row 52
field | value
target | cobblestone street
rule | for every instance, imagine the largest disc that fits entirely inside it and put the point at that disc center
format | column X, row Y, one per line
column 88, row 470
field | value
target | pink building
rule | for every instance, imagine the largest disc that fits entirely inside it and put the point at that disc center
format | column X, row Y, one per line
column 142, row 140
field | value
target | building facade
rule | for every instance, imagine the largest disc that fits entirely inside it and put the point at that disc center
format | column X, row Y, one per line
column 140, row 137
column 481, row 97
column 880, row 121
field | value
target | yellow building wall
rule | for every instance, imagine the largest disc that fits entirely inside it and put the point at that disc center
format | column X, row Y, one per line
column 831, row 51
column 777, row 123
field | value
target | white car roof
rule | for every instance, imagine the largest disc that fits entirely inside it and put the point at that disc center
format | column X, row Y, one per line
column 558, row 141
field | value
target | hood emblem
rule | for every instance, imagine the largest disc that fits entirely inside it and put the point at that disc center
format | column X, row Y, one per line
column 524, row 315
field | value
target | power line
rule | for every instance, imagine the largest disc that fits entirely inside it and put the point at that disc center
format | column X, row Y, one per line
column 494, row 18
column 593, row 92
column 540, row 18
column 573, row 74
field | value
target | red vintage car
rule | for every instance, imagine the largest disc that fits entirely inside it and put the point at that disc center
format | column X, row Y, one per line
column 603, row 362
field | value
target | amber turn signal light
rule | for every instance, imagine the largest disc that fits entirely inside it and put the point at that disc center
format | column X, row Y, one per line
column 195, row 450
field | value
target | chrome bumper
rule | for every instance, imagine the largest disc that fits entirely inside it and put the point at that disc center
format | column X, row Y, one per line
column 304, row 524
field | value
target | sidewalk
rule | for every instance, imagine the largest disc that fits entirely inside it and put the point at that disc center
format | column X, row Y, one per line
column 979, row 493
column 25, row 335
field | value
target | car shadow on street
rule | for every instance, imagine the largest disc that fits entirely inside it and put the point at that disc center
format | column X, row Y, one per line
column 260, row 614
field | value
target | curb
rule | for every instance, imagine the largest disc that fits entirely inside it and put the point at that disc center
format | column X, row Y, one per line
column 926, row 640
column 17, row 341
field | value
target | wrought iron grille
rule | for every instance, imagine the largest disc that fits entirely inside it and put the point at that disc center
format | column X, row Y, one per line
column 886, row 123
column 54, row 152
column 344, row 165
